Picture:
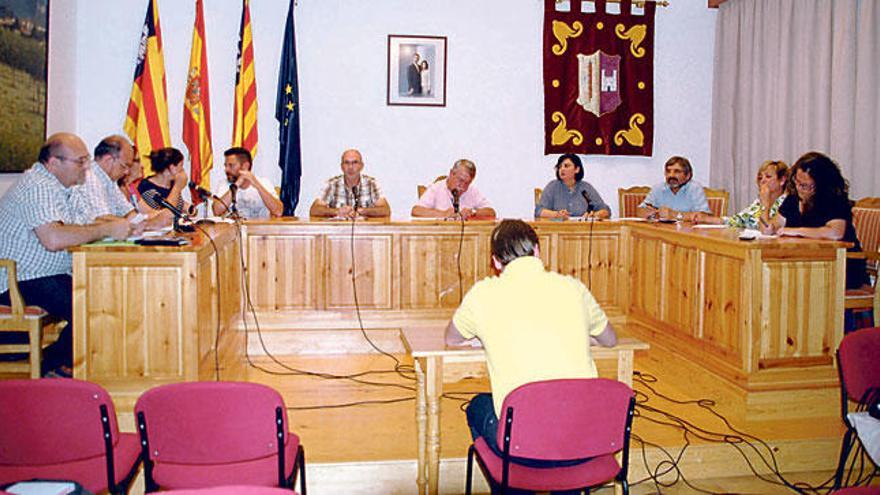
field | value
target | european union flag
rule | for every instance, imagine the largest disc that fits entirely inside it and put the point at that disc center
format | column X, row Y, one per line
column 287, row 113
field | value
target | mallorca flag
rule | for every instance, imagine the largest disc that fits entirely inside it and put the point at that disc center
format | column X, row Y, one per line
column 287, row 114
column 244, row 127
column 197, row 109
column 147, row 120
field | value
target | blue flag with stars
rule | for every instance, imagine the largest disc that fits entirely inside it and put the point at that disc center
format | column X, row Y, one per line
column 287, row 114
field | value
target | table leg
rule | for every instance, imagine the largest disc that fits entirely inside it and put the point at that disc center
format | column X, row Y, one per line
column 421, row 424
column 625, row 366
column 434, row 389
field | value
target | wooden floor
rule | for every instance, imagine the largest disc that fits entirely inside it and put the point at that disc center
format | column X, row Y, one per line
column 371, row 448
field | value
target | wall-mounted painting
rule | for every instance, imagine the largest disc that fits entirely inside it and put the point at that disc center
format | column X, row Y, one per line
column 23, row 47
column 417, row 70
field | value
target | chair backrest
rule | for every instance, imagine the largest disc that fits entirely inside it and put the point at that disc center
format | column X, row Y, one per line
column 858, row 361
column 630, row 198
column 205, row 423
column 866, row 221
column 718, row 200
column 538, row 192
column 53, row 421
column 588, row 418
column 422, row 188
column 15, row 299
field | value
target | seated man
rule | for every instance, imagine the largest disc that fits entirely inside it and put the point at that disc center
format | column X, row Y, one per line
column 679, row 198
column 352, row 193
column 534, row 324
column 442, row 197
column 37, row 225
column 255, row 197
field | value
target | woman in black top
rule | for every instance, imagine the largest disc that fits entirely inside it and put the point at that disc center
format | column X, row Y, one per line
column 168, row 180
column 818, row 207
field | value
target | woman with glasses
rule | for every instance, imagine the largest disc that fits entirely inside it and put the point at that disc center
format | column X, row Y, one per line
column 771, row 180
column 818, row 207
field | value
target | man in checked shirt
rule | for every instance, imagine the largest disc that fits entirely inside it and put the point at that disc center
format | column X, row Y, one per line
column 352, row 193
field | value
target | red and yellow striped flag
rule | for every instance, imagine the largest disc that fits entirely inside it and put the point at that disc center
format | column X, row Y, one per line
column 146, row 122
column 244, row 127
column 197, row 109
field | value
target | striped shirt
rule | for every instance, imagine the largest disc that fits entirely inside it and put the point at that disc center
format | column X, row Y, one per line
column 38, row 198
column 336, row 195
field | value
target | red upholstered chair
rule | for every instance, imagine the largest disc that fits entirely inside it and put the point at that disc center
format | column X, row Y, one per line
column 557, row 420
column 859, row 368
column 232, row 490
column 209, row 434
column 630, row 199
column 858, row 490
column 64, row 429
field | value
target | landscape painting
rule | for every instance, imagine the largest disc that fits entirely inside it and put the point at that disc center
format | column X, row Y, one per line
column 23, row 42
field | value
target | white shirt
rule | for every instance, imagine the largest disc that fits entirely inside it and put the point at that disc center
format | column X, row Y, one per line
column 249, row 202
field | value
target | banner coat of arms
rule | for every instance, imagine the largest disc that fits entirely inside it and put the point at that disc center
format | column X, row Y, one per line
column 598, row 78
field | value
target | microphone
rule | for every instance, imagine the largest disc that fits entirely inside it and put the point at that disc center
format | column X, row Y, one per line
column 455, row 204
column 201, row 191
column 355, row 190
column 233, row 202
column 587, row 199
column 153, row 195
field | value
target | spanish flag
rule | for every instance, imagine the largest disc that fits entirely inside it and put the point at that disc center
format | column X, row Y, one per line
column 147, row 120
column 197, row 109
column 244, row 127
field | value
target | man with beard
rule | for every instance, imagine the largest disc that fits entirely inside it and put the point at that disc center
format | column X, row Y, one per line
column 255, row 196
column 679, row 198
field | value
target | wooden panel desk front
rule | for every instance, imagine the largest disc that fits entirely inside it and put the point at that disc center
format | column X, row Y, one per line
column 430, row 353
column 144, row 316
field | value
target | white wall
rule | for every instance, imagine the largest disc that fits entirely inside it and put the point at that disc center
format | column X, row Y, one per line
column 494, row 95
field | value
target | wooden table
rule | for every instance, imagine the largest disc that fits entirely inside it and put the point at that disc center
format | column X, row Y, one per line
column 428, row 347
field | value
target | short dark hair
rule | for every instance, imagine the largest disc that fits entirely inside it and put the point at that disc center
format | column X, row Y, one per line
column 680, row 160
column 239, row 152
column 49, row 149
column 163, row 158
column 574, row 159
column 512, row 239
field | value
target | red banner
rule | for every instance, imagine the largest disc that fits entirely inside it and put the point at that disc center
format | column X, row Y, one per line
column 598, row 79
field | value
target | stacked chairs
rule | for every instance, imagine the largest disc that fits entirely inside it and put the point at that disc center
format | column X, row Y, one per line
column 578, row 426
column 210, row 434
column 64, row 429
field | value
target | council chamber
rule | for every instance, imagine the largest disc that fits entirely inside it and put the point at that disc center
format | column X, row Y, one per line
column 402, row 225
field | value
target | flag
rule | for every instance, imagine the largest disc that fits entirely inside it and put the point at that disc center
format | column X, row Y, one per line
column 244, row 126
column 146, row 122
column 287, row 114
column 197, row 109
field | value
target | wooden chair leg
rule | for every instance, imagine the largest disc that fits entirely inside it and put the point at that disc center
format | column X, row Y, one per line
column 35, row 336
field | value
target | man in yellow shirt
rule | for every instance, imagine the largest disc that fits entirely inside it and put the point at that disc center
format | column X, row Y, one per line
column 535, row 325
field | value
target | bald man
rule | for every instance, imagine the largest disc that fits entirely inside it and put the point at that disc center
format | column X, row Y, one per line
column 352, row 193
column 38, row 224
column 99, row 196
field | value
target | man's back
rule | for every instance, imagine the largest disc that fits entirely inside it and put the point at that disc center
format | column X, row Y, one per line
column 534, row 324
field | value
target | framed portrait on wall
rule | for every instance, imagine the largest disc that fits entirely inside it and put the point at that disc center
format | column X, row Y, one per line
column 417, row 70
column 23, row 53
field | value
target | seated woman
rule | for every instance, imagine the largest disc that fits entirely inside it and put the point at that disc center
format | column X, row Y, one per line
column 771, row 180
column 169, row 180
column 818, row 207
column 569, row 195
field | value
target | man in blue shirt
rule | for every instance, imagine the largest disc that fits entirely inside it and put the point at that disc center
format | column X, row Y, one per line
column 679, row 198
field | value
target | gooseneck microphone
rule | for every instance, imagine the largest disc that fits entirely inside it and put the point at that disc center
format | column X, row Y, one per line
column 153, row 196
column 455, row 203
column 587, row 199
column 233, row 201
column 355, row 194
column 201, row 191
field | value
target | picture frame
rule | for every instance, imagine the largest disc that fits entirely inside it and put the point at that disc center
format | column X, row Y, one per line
column 24, row 27
column 416, row 70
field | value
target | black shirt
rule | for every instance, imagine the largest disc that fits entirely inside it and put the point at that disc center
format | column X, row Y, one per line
column 838, row 209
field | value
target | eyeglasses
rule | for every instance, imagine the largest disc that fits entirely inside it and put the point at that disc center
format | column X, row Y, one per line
column 80, row 161
column 803, row 186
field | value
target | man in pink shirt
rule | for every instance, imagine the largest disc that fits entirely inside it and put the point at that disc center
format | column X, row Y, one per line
column 454, row 197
